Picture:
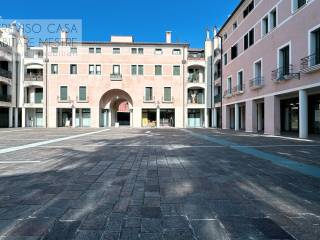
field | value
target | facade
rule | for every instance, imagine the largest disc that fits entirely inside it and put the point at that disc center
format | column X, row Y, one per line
column 104, row 84
column 270, row 67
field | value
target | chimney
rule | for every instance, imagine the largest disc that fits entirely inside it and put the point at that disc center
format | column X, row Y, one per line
column 208, row 35
column 215, row 31
column 168, row 36
column 63, row 36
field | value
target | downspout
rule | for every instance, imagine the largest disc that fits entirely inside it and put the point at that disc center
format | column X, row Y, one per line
column 212, row 84
column 183, row 86
column 46, row 84
column 222, row 64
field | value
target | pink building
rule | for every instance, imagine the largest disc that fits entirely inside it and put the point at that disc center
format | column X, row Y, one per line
column 271, row 67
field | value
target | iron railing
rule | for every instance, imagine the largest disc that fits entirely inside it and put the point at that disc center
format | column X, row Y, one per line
column 5, row 98
column 227, row 93
column 149, row 99
column 257, row 82
column 196, row 56
column 310, row 61
column 5, row 47
column 284, row 73
column 217, row 75
column 193, row 78
column 33, row 77
column 238, row 89
column 5, row 73
column 217, row 98
column 116, row 77
column 165, row 100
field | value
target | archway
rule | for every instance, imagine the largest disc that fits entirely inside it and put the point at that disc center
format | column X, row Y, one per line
column 116, row 108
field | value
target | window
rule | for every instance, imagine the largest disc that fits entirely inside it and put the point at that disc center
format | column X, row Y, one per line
column 248, row 40
column 133, row 69
column 225, row 59
column 225, row 36
column 229, row 86
column 73, row 69
column 273, row 19
column 176, row 70
column 82, row 93
column 91, row 50
column 73, row 50
column 63, row 93
column 140, row 50
column 234, row 51
column 284, row 61
column 315, row 47
column 91, row 69
column 297, row 4
column 98, row 69
column 248, row 9
column 133, row 51
column 158, row 51
column 116, row 69
column 148, row 94
column 176, row 52
column 54, row 68
column 235, row 25
column 258, row 69
column 167, row 94
column 158, row 70
column 116, row 50
column 98, row 50
column 265, row 25
column 54, row 49
column 240, row 81
column 140, row 70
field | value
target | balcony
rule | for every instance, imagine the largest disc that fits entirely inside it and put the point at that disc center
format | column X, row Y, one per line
column 284, row 73
column 5, row 47
column 149, row 99
column 217, row 75
column 33, row 77
column 5, row 98
column 196, row 56
column 116, row 77
column 216, row 52
column 239, row 89
column 217, row 98
column 82, row 100
column 171, row 100
column 196, row 96
column 257, row 82
column 193, row 78
column 310, row 63
column 227, row 93
column 67, row 100
column 5, row 73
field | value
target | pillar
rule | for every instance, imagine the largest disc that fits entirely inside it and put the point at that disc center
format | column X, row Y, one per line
column 60, row 118
column 272, row 113
column 251, row 116
column 23, row 117
column 158, row 117
column 109, row 118
column 214, row 118
column 260, row 119
column 303, row 114
column 236, row 117
column 10, row 117
column 80, row 118
column 73, row 117
column 131, row 117
column 225, row 117
column 206, row 118
column 16, row 117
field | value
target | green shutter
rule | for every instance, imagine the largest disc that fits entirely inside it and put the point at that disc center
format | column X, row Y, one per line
column 158, row 70
column 134, row 69
column 82, row 93
column 176, row 70
column 140, row 69
column 167, row 94
column 64, row 93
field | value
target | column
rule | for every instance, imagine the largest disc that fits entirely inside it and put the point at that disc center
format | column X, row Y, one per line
column 109, row 118
column 251, row 116
column 158, row 117
column 131, row 117
column 214, row 118
column 242, row 117
column 23, row 117
column 236, row 117
column 303, row 114
column 16, row 117
column 206, row 117
column 80, row 118
column 259, row 106
column 60, row 118
column 272, row 113
column 73, row 117
column 225, row 117
column 10, row 117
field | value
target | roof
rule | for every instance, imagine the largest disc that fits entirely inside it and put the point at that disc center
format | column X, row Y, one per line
column 232, row 14
column 130, row 43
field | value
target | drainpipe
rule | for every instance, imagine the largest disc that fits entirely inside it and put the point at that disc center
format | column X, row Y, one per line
column 183, row 86
column 222, row 64
column 46, row 84
column 212, row 97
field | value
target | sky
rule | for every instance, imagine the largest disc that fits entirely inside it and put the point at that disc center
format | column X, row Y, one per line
column 146, row 20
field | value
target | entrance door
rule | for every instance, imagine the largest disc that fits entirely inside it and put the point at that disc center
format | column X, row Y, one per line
column 290, row 115
column 194, row 118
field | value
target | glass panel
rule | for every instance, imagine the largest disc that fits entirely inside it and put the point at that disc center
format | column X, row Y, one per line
column 116, row 69
column 140, row 70
column 64, row 93
column 140, row 50
column 176, row 70
column 91, row 69
column 116, row 50
column 91, row 50
column 134, row 69
column 158, row 69
column 98, row 50
column 98, row 69
column 54, row 69
column 82, row 93
column 73, row 69
column 167, row 94
column 148, row 93
column 133, row 50
column 38, row 95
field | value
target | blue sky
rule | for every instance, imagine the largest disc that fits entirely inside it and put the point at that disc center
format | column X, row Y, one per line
column 147, row 20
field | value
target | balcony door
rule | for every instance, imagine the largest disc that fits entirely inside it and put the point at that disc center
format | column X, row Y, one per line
column 284, row 61
column 116, row 69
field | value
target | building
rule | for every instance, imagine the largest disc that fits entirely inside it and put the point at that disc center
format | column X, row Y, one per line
column 104, row 84
column 270, row 67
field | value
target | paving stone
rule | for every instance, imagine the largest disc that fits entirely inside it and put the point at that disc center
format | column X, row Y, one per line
column 151, row 212
column 88, row 235
column 32, row 227
column 63, row 230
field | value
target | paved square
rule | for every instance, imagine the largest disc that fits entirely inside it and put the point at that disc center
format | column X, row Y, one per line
column 157, row 184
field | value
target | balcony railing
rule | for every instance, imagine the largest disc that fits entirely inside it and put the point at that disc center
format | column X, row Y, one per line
column 310, row 63
column 216, row 52
column 82, row 100
column 150, row 99
column 165, row 100
column 193, row 78
column 116, row 77
column 67, row 100
column 227, row 93
column 217, row 75
column 196, row 56
column 33, row 77
column 257, row 82
column 284, row 73
column 5, row 98
column 5, row 73
column 198, row 99
column 5, row 47
column 239, row 89
column 217, row 98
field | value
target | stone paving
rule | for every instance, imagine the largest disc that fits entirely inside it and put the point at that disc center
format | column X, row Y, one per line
column 155, row 184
